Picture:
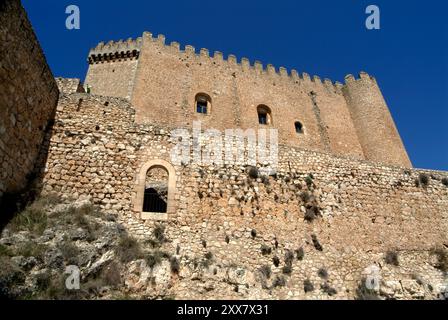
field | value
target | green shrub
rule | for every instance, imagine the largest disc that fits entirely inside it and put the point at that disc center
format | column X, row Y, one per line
column 159, row 233
column 442, row 258
column 445, row 182
column 300, row 254
column 5, row 251
column 54, row 289
column 311, row 213
column 78, row 217
column 208, row 260
column 328, row 290
column 10, row 278
column 423, row 178
column 276, row 261
column 153, row 259
column 287, row 269
column 323, row 273
column 392, row 258
column 308, row 286
column 33, row 219
column 43, row 281
column 32, row 249
column 174, row 265
column 266, row 271
column 253, row 172
column 253, row 233
column 265, row 250
column 309, row 180
column 279, row 281
column 289, row 257
column 305, row 196
column 209, row 256
column 316, row 243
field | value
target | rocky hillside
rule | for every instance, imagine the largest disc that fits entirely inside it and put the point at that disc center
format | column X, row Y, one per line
column 52, row 235
column 40, row 243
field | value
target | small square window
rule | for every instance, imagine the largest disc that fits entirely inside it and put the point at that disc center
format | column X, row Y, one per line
column 262, row 118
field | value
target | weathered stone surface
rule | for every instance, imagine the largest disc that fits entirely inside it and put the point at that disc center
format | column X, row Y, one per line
column 28, row 97
column 351, row 119
column 326, row 214
column 360, row 210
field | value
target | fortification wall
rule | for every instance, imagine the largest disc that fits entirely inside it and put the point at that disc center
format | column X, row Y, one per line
column 366, row 209
column 28, row 97
column 112, row 68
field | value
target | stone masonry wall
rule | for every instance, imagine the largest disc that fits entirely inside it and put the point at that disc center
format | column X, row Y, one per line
column 28, row 97
column 224, row 217
column 163, row 80
column 168, row 80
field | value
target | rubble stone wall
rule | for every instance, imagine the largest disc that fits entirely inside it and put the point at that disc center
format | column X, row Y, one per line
column 223, row 217
column 28, row 97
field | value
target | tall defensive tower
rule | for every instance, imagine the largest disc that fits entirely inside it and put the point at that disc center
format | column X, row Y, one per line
column 376, row 129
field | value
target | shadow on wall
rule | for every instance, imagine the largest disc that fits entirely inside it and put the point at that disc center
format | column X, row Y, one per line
column 28, row 103
column 12, row 203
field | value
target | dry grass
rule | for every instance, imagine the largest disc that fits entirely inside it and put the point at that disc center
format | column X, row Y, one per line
column 128, row 249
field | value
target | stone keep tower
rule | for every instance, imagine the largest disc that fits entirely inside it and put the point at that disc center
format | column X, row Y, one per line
column 163, row 82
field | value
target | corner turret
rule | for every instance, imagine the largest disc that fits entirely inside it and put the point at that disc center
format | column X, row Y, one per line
column 374, row 124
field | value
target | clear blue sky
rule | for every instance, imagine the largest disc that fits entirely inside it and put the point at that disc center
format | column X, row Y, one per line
column 408, row 56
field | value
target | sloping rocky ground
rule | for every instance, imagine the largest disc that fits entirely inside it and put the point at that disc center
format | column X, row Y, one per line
column 38, row 245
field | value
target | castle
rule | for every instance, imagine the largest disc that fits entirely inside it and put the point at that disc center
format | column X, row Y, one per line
column 164, row 83
column 344, row 194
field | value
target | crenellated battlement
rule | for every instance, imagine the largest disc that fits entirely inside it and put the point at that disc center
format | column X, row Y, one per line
column 131, row 49
column 363, row 76
column 115, row 50
column 246, row 65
